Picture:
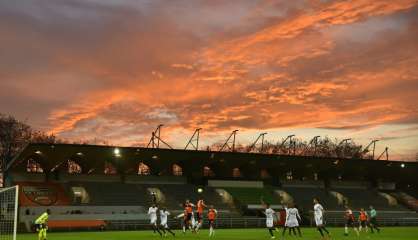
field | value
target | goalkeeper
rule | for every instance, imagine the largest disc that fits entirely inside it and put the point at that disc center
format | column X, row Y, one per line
column 41, row 225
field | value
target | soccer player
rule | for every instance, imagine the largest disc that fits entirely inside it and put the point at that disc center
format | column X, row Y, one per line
column 152, row 212
column 373, row 220
column 212, row 214
column 269, row 212
column 363, row 219
column 200, row 208
column 188, row 215
column 292, row 220
column 319, row 218
column 349, row 217
column 41, row 224
column 163, row 222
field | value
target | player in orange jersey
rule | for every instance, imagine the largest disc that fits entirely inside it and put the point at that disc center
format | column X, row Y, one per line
column 363, row 220
column 212, row 215
column 200, row 208
column 350, row 221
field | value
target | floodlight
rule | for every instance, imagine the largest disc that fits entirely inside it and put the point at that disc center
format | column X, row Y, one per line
column 116, row 151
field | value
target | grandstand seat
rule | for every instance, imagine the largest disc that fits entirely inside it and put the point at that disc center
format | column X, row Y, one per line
column 303, row 197
column 114, row 194
column 246, row 196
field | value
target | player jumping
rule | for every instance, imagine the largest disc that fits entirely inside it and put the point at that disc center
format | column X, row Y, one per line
column 188, row 215
column 164, row 223
column 349, row 217
column 212, row 214
column 152, row 212
column 41, row 224
column 200, row 208
column 319, row 219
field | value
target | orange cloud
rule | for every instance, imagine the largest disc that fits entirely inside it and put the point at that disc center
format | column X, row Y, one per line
column 269, row 66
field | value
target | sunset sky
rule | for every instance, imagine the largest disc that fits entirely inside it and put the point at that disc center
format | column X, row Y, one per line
column 115, row 69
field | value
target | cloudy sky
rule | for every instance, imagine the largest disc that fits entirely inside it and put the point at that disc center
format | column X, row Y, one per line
column 115, row 69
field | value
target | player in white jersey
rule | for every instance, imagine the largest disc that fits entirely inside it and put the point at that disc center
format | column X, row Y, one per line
column 164, row 222
column 269, row 212
column 152, row 213
column 292, row 221
column 319, row 219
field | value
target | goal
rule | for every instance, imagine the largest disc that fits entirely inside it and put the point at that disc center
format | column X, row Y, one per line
column 8, row 212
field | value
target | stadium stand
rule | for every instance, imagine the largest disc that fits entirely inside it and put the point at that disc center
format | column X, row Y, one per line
column 120, row 200
column 304, row 192
column 114, row 194
column 247, row 196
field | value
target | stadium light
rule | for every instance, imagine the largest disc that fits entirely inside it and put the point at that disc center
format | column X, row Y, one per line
column 200, row 190
column 116, row 151
column 80, row 154
column 38, row 152
column 403, row 165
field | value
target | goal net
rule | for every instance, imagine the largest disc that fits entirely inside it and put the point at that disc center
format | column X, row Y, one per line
column 8, row 212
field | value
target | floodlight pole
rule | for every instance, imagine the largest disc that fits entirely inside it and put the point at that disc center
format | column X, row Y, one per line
column 373, row 142
column 156, row 136
column 384, row 152
column 226, row 144
column 194, row 138
column 315, row 141
column 256, row 141
column 344, row 141
column 287, row 138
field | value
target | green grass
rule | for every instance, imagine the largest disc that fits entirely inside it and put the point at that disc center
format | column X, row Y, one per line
column 399, row 233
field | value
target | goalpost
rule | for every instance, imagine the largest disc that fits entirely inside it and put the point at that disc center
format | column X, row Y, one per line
column 8, row 212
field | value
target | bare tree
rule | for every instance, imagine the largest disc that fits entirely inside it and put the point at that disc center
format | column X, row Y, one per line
column 323, row 147
column 14, row 135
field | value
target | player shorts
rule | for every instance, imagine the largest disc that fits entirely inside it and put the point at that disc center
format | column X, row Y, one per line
column 270, row 223
column 363, row 223
column 199, row 216
column 211, row 223
column 189, row 217
column 164, row 225
column 350, row 222
column 153, row 221
column 373, row 221
column 39, row 227
column 319, row 221
column 292, row 224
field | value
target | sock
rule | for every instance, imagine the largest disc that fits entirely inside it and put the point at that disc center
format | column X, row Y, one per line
column 299, row 232
column 271, row 232
column 184, row 229
column 320, row 231
column 284, row 231
column 325, row 230
column 346, row 230
column 158, row 230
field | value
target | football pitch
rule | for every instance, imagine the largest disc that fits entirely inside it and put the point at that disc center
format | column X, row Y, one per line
column 390, row 233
